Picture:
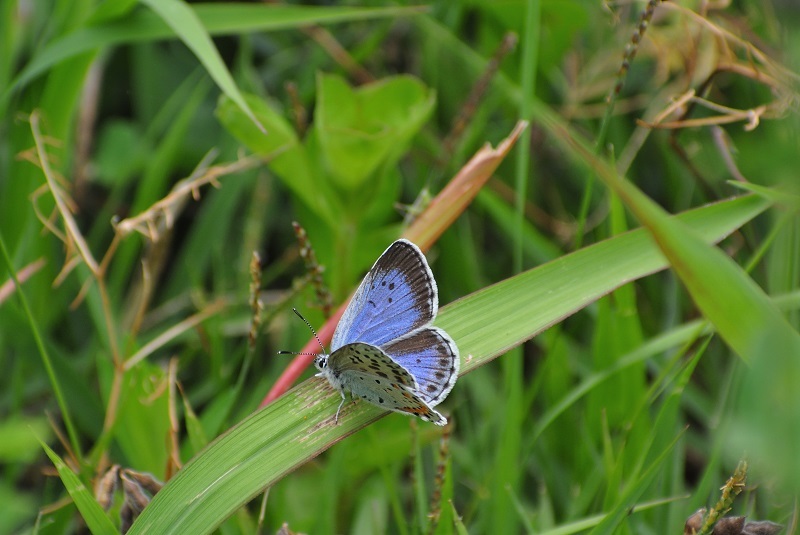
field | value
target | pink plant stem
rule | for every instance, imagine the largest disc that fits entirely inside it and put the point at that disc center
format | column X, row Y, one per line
column 301, row 362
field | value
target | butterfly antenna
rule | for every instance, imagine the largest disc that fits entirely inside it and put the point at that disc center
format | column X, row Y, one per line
column 312, row 330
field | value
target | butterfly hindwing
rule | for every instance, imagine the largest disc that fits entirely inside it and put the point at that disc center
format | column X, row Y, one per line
column 359, row 360
column 399, row 399
column 372, row 375
column 397, row 296
column 431, row 356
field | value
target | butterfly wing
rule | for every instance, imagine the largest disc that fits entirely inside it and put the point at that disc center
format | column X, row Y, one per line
column 367, row 363
column 374, row 376
column 397, row 296
column 431, row 356
column 395, row 398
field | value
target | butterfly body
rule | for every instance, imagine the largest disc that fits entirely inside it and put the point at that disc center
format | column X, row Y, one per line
column 385, row 350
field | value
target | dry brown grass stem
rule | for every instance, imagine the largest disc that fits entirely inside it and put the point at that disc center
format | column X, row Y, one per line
column 774, row 68
column 72, row 234
column 161, row 214
column 751, row 117
column 72, row 237
column 339, row 54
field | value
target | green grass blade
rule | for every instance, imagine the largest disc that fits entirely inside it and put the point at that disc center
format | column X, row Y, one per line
column 580, row 526
column 216, row 19
column 96, row 519
column 611, row 522
column 544, row 296
column 742, row 313
column 299, row 426
column 43, row 353
column 528, row 65
column 186, row 25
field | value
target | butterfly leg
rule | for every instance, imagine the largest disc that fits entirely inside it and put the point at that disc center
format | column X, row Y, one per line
column 336, row 421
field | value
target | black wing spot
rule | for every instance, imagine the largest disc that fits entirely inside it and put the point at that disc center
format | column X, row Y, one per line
column 378, row 381
column 443, row 362
column 383, row 283
column 390, row 299
column 431, row 388
column 371, row 302
column 391, row 286
column 380, row 400
column 440, row 375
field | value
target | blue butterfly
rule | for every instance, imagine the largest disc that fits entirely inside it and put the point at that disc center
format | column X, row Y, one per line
column 385, row 349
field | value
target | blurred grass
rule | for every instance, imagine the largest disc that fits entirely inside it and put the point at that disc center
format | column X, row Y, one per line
column 626, row 411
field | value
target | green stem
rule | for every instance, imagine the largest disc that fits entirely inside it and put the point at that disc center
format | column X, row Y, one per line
column 73, row 435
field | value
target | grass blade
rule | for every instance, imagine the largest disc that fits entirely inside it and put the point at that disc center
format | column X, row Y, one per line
column 92, row 513
column 186, row 25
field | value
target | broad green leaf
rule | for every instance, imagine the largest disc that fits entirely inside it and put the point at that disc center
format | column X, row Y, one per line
column 571, row 282
column 362, row 129
column 299, row 426
column 741, row 312
column 92, row 513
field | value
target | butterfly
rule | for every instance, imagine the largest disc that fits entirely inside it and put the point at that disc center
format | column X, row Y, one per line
column 384, row 349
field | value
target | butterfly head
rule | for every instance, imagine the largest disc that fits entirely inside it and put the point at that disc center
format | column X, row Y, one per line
column 320, row 359
column 321, row 362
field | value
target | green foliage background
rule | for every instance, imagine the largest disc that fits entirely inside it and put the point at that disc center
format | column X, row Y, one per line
column 613, row 378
